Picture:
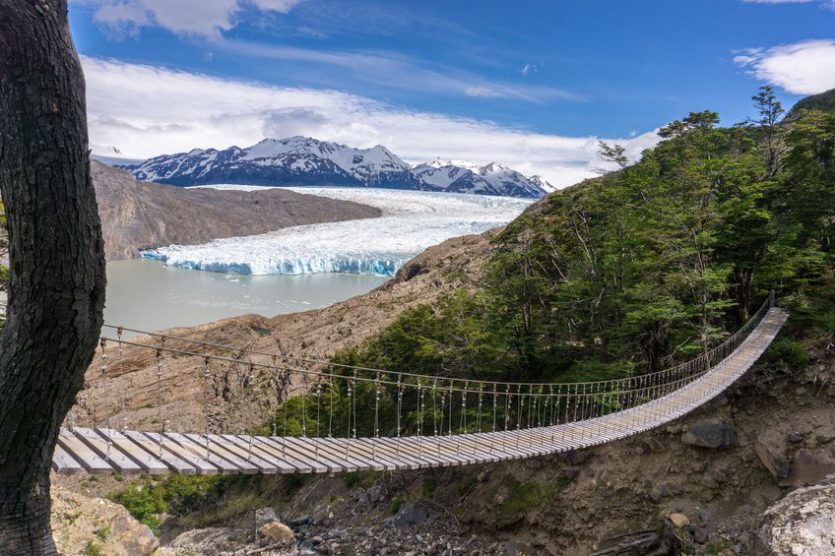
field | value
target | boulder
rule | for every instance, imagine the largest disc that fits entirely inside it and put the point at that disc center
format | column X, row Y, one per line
column 276, row 532
column 809, row 467
column 679, row 520
column 81, row 524
column 264, row 516
column 801, row 524
column 771, row 449
column 412, row 513
column 375, row 493
column 209, row 540
column 710, row 433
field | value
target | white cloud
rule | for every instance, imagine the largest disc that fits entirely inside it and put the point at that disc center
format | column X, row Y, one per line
column 826, row 3
column 146, row 111
column 803, row 68
column 394, row 70
column 192, row 17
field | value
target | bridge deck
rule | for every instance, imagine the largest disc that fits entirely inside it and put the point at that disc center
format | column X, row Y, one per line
column 108, row 450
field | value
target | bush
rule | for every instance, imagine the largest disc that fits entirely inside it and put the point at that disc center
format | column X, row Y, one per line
column 789, row 352
column 177, row 494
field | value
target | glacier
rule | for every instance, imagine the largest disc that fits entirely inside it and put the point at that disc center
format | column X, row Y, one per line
column 411, row 222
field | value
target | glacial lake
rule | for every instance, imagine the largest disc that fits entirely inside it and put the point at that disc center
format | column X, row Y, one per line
column 298, row 268
column 148, row 295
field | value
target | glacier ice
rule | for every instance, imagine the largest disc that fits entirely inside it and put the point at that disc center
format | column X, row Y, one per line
column 411, row 222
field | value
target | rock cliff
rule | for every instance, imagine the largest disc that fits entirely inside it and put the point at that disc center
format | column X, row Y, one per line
column 139, row 215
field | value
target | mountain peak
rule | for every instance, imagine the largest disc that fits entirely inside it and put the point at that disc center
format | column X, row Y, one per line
column 494, row 167
column 301, row 160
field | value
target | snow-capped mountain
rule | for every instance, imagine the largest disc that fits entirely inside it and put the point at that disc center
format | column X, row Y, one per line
column 305, row 161
column 492, row 179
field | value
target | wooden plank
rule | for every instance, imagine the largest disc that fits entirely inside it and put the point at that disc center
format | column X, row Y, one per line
column 147, row 462
column 306, row 450
column 107, row 450
column 376, row 460
column 79, row 451
column 240, row 466
column 200, row 465
column 389, row 449
column 275, row 442
column 300, row 465
column 426, row 449
column 366, row 446
column 402, row 452
column 349, row 464
column 244, row 445
column 172, row 461
column 254, row 457
column 310, row 445
column 197, row 454
column 64, row 463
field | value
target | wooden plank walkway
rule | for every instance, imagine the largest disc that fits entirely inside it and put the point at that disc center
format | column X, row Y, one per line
column 108, row 450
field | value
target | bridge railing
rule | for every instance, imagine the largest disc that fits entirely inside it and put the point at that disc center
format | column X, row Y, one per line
column 319, row 398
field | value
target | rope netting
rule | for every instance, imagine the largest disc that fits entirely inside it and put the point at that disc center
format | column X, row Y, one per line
column 323, row 399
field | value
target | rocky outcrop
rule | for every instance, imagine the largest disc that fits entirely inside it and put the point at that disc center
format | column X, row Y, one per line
column 276, row 531
column 710, row 433
column 801, row 524
column 82, row 525
column 140, row 215
column 770, row 447
column 210, row 540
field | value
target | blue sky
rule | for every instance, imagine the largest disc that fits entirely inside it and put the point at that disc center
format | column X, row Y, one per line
column 530, row 83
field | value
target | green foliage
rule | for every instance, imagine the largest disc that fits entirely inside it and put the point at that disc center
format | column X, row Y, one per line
column 361, row 479
column 176, row 494
column 294, row 481
column 625, row 274
column 103, row 532
column 92, row 549
column 397, row 503
column 514, row 498
column 428, row 486
column 645, row 267
column 823, row 101
column 143, row 503
column 789, row 351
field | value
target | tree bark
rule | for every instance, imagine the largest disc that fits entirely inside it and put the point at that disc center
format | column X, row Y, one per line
column 57, row 280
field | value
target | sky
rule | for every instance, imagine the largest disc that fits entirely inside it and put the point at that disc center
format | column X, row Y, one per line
column 530, row 84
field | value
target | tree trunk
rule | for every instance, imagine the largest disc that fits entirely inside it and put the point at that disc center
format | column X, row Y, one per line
column 56, row 283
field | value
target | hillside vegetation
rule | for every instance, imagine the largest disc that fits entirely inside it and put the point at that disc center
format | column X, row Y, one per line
column 646, row 266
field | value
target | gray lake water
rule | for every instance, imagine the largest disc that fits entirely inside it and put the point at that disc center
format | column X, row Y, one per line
column 147, row 295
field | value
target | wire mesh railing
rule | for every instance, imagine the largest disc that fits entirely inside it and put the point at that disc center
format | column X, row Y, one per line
column 316, row 398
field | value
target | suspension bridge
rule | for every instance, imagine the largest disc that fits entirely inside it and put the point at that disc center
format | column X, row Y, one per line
column 345, row 418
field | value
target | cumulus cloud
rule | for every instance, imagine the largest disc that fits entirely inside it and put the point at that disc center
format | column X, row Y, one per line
column 145, row 111
column 192, row 17
column 803, row 68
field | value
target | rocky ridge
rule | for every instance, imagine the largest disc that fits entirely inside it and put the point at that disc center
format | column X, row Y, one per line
column 140, row 215
column 306, row 161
